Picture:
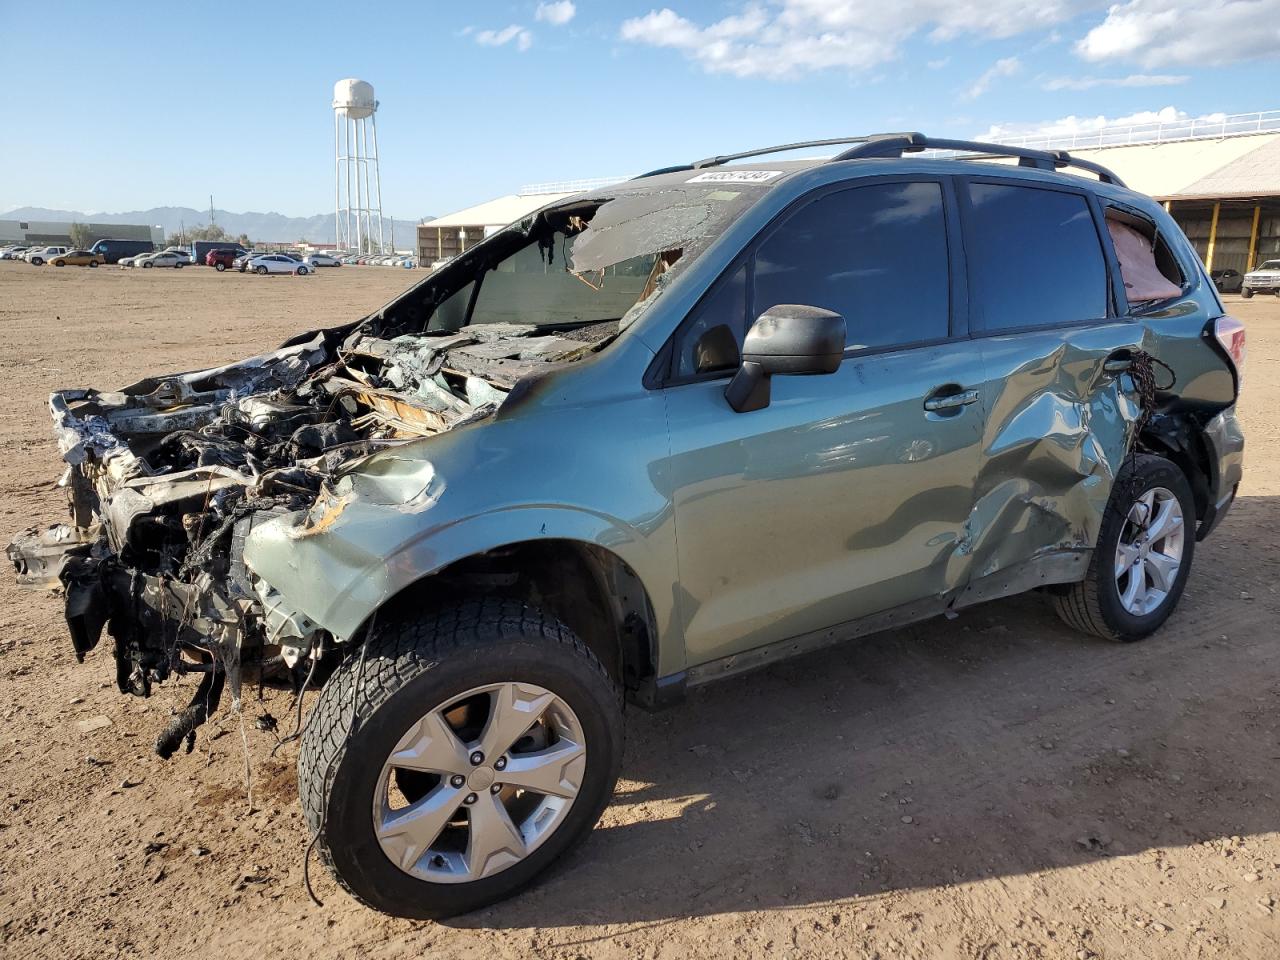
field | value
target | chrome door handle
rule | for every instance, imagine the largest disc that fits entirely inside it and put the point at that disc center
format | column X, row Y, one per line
column 951, row 401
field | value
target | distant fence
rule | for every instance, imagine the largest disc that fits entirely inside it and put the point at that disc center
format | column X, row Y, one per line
column 1126, row 135
column 568, row 186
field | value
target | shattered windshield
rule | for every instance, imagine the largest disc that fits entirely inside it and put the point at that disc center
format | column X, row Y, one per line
column 537, row 285
column 592, row 261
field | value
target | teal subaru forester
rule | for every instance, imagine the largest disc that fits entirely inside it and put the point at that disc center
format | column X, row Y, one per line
column 650, row 436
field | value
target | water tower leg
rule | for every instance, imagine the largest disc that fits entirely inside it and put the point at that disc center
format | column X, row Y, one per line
column 337, row 184
column 368, row 197
column 346, row 135
column 377, row 179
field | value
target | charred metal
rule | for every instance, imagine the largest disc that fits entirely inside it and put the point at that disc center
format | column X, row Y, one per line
column 167, row 477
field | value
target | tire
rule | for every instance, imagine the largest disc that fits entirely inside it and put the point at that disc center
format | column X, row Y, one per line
column 37, row 261
column 147, row 265
column 260, row 271
column 1095, row 604
column 411, row 668
column 93, row 264
column 59, row 263
column 303, row 271
column 1246, row 292
column 219, row 267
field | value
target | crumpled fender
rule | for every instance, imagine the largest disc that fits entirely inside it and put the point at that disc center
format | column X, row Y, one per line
column 361, row 559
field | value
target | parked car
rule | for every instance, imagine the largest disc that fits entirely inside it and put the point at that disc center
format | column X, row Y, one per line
column 127, row 262
column 200, row 250
column 38, row 256
column 221, row 258
column 278, row 263
column 321, row 260
column 165, row 258
column 754, row 409
column 114, row 250
column 1265, row 279
column 77, row 258
column 13, row 253
column 1227, row 281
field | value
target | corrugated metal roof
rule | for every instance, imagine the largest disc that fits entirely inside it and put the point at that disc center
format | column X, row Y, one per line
column 497, row 213
column 1239, row 166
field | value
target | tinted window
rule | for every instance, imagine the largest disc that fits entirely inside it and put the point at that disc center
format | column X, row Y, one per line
column 876, row 255
column 1035, row 257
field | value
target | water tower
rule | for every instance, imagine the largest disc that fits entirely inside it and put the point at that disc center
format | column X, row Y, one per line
column 357, row 217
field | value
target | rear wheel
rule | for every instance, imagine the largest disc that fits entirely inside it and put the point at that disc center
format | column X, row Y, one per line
column 179, row 265
column 1142, row 558
column 219, row 267
column 488, row 743
column 303, row 271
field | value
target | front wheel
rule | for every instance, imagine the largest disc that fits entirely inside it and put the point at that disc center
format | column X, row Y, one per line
column 1246, row 292
column 261, row 271
column 488, row 744
column 59, row 263
column 93, row 263
column 36, row 261
column 1142, row 558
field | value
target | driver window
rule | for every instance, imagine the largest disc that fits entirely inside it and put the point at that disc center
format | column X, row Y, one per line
column 875, row 254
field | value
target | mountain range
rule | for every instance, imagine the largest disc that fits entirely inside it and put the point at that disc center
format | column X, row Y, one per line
column 268, row 227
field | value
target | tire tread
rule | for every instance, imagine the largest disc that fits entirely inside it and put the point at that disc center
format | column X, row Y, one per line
column 403, row 649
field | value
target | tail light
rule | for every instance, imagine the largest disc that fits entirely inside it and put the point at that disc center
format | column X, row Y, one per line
column 1230, row 333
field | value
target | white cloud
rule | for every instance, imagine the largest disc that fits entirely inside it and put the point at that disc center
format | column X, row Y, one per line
column 557, row 13
column 1164, row 33
column 786, row 38
column 1133, row 80
column 939, row 63
column 1001, row 68
column 500, row 38
column 1073, row 125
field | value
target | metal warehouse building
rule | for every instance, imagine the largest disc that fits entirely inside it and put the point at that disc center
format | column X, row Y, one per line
column 1219, row 178
column 51, row 232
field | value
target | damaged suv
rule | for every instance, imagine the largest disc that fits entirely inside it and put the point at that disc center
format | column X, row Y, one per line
column 647, row 437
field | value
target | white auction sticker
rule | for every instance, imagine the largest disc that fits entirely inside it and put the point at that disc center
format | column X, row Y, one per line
column 735, row 176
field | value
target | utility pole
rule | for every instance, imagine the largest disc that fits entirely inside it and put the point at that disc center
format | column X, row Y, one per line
column 212, row 223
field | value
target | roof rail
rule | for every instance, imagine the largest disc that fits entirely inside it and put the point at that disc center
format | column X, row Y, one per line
column 895, row 144
column 882, row 145
column 762, row 151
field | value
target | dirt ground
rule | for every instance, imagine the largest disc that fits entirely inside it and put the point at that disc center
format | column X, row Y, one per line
column 992, row 786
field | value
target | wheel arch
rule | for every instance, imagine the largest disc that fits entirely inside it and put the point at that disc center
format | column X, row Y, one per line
column 1178, row 437
column 587, row 587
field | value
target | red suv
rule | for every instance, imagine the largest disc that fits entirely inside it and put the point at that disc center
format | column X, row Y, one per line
column 221, row 258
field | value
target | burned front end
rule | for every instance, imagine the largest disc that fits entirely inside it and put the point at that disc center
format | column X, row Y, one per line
column 167, row 478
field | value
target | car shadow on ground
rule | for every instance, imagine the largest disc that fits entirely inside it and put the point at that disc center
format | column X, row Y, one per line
column 999, row 743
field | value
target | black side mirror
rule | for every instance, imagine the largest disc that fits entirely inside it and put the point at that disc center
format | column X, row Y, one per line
column 789, row 339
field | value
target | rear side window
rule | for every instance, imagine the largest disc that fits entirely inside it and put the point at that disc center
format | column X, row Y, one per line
column 876, row 255
column 1035, row 257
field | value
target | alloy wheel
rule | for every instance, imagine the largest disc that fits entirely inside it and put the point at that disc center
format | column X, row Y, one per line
column 479, row 783
column 1149, row 552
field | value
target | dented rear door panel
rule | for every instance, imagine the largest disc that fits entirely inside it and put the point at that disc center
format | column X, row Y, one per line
column 1057, row 430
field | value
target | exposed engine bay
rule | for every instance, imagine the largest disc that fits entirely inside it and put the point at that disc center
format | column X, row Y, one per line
column 167, row 477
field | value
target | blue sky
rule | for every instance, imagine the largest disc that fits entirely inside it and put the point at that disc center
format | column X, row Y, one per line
column 128, row 108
